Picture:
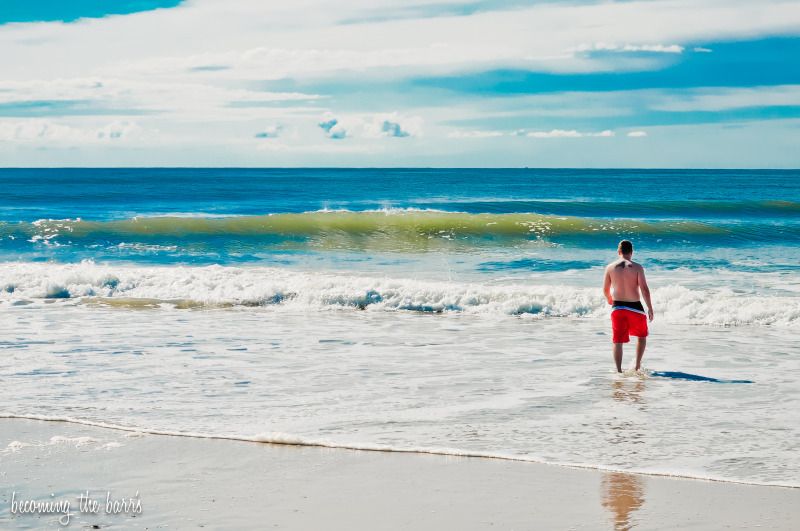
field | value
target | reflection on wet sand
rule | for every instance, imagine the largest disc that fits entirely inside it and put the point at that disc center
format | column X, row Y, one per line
column 622, row 495
column 623, row 431
column 623, row 390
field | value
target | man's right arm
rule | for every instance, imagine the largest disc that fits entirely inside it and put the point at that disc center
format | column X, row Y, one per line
column 645, row 289
column 607, row 287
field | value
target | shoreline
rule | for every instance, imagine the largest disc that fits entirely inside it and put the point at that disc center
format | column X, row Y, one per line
column 217, row 483
column 280, row 439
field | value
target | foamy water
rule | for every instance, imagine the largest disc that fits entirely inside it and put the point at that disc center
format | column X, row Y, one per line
column 217, row 286
column 454, row 312
column 484, row 381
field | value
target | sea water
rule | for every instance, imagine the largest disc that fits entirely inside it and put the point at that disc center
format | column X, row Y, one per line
column 453, row 311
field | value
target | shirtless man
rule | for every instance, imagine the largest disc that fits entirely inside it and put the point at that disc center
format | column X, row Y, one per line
column 626, row 278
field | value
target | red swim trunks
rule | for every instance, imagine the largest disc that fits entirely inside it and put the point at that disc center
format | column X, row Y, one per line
column 627, row 322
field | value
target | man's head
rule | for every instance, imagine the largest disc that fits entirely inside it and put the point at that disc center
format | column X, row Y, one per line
column 625, row 249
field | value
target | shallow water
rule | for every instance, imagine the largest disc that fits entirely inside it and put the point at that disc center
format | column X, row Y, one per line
column 441, row 322
column 537, row 389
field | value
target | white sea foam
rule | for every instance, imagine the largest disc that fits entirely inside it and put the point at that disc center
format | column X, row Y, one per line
column 59, row 440
column 16, row 446
column 263, row 286
column 457, row 383
column 74, row 441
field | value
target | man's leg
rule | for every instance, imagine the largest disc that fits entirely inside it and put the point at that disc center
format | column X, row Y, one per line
column 618, row 356
column 640, row 345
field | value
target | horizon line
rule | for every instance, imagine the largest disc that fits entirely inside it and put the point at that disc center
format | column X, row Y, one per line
column 587, row 168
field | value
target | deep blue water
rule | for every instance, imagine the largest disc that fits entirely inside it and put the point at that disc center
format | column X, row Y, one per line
column 196, row 215
column 30, row 194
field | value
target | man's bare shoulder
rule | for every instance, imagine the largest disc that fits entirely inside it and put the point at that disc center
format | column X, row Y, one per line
column 619, row 264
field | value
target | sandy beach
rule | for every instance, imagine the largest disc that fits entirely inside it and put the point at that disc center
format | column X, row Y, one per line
column 190, row 483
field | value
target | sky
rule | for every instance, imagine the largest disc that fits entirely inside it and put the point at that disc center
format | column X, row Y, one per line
column 385, row 83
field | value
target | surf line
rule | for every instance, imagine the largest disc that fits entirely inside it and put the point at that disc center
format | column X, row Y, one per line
column 290, row 440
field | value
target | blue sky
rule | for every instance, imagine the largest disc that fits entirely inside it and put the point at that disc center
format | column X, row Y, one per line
column 650, row 83
column 72, row 10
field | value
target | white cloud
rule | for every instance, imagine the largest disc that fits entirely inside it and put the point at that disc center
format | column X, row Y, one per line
column 546, row 36
column 152, row 66
column 719, row 99
column 562, row 133
column 637, row 134
column 46, row 131
column 119, row 130
column 128, row 95
column 393, row 129
column 554, row 133
column 700, row 49
column 392, row 125
column 269, row 40
column 270, row 131
column 333, row 129
column 475, row 134
column 370, row 126
column 614, row 47
column 308, row 150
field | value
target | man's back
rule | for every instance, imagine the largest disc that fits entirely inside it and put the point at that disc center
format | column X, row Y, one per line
column 625, row 279
column 628, row 318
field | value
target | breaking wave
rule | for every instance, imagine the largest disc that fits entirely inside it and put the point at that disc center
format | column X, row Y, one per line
column 395, row 222
column 218, row 286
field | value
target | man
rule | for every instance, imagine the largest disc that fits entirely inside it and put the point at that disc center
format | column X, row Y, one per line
column 626, row 278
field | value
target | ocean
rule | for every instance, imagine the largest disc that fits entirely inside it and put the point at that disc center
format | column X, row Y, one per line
column 454, row 311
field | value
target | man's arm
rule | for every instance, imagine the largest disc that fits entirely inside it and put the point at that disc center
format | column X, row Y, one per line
column 607, row 287
column 645, row 289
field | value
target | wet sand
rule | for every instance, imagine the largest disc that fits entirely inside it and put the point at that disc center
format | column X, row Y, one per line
column 186, row 483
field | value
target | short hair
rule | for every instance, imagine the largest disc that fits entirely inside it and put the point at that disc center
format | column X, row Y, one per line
column 625, row 247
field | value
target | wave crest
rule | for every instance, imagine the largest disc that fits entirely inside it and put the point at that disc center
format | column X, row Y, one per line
column 414, row 222
column 217, row 286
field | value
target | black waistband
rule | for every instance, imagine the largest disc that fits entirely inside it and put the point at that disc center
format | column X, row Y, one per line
column 635, row 305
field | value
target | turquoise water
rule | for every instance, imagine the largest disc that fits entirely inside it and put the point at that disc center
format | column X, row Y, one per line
column 205, row 216
column 456, row 311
